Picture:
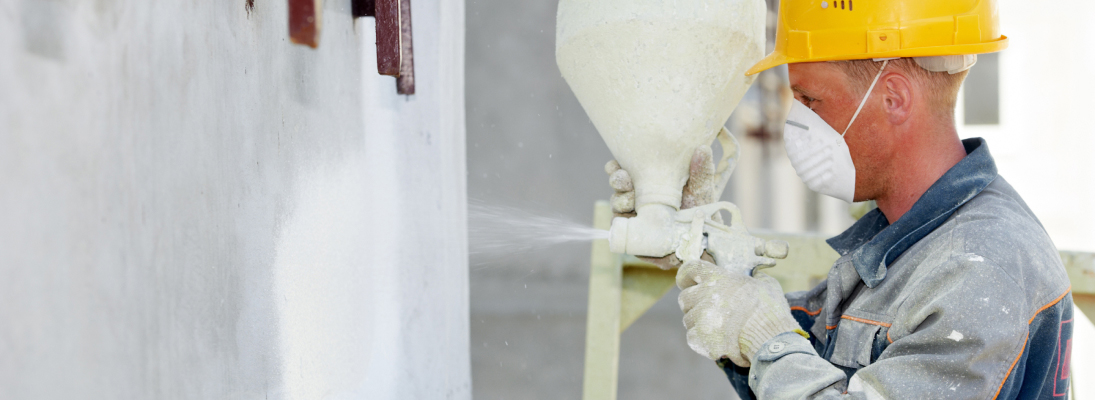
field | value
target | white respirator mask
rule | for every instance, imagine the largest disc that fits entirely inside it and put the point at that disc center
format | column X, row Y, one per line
column 818, row 153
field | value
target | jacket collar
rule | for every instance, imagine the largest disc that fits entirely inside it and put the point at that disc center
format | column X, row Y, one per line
column 874, row 244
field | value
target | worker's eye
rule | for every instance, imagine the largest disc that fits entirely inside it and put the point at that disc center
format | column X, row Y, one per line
column 807, row 101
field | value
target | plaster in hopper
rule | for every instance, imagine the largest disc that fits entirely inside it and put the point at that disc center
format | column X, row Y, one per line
column 659, row 78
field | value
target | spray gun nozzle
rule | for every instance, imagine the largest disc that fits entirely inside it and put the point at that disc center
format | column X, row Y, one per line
column 617, row 235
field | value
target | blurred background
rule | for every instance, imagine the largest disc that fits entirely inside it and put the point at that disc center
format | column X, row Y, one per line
column 531, row 146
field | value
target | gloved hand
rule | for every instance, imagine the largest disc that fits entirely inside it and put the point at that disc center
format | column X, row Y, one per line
column 731, row 314
column 698, row 191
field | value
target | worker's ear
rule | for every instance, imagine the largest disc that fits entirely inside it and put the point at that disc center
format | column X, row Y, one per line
column 897, row 97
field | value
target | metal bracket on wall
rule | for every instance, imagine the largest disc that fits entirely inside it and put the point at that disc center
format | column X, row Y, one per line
column 394, row 44
column 305, row 21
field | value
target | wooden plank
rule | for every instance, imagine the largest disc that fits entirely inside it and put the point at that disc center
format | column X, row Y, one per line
column 1081, row 272
column 641, row 288
column 1086, row 303
column 811, row 258
column 807, row 263
column 602, row 356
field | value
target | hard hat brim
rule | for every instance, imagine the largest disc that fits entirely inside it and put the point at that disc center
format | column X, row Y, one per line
column 778, row 58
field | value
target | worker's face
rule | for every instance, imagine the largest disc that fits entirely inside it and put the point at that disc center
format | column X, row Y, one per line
column 825, row 88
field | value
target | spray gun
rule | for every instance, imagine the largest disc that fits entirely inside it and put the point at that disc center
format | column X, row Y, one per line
column 657, row 85
column 659, row 229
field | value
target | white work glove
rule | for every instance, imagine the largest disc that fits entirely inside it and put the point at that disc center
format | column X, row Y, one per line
column 698, row 191
column 731, row 314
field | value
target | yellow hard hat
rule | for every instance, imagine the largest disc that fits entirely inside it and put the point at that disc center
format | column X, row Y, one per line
column 828, row 30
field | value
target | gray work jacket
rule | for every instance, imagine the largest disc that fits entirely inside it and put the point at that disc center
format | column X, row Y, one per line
column 963, row 297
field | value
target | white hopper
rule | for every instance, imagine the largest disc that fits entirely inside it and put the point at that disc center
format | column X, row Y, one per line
column 658, row 78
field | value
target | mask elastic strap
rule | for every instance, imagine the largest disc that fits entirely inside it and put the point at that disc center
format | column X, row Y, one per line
column 864, row 102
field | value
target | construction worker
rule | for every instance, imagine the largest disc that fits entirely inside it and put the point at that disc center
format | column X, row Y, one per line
column 951, row 288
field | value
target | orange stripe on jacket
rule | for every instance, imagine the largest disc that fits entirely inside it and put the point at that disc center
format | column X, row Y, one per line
column 808, row 312
column 1027, row 337
column 865, row 321
column 1021, row 349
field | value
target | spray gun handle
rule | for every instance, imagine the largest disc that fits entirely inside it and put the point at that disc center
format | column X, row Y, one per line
column 729, row 160
column 731, row 245
column 694, row 241
column 660, row 230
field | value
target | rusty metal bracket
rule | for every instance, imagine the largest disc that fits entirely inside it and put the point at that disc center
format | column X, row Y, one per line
column 394, row 42
column 363, row 8
column 305, row 21
column 405, row 81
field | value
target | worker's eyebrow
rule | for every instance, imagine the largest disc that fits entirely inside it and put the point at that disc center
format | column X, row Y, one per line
column 801, row 90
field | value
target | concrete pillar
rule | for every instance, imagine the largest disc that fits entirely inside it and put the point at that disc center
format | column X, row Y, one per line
column 191, row 207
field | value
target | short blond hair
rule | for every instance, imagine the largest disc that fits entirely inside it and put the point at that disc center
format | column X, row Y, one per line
column 941, row 86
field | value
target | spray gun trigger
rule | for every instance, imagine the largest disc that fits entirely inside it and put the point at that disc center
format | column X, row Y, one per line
column 694, row 242
column 762, row 263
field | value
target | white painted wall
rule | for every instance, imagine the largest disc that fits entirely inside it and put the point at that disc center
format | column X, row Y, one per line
column 192, row 208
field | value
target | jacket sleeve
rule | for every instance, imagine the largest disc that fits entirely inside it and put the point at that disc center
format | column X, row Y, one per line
column 960, row 332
